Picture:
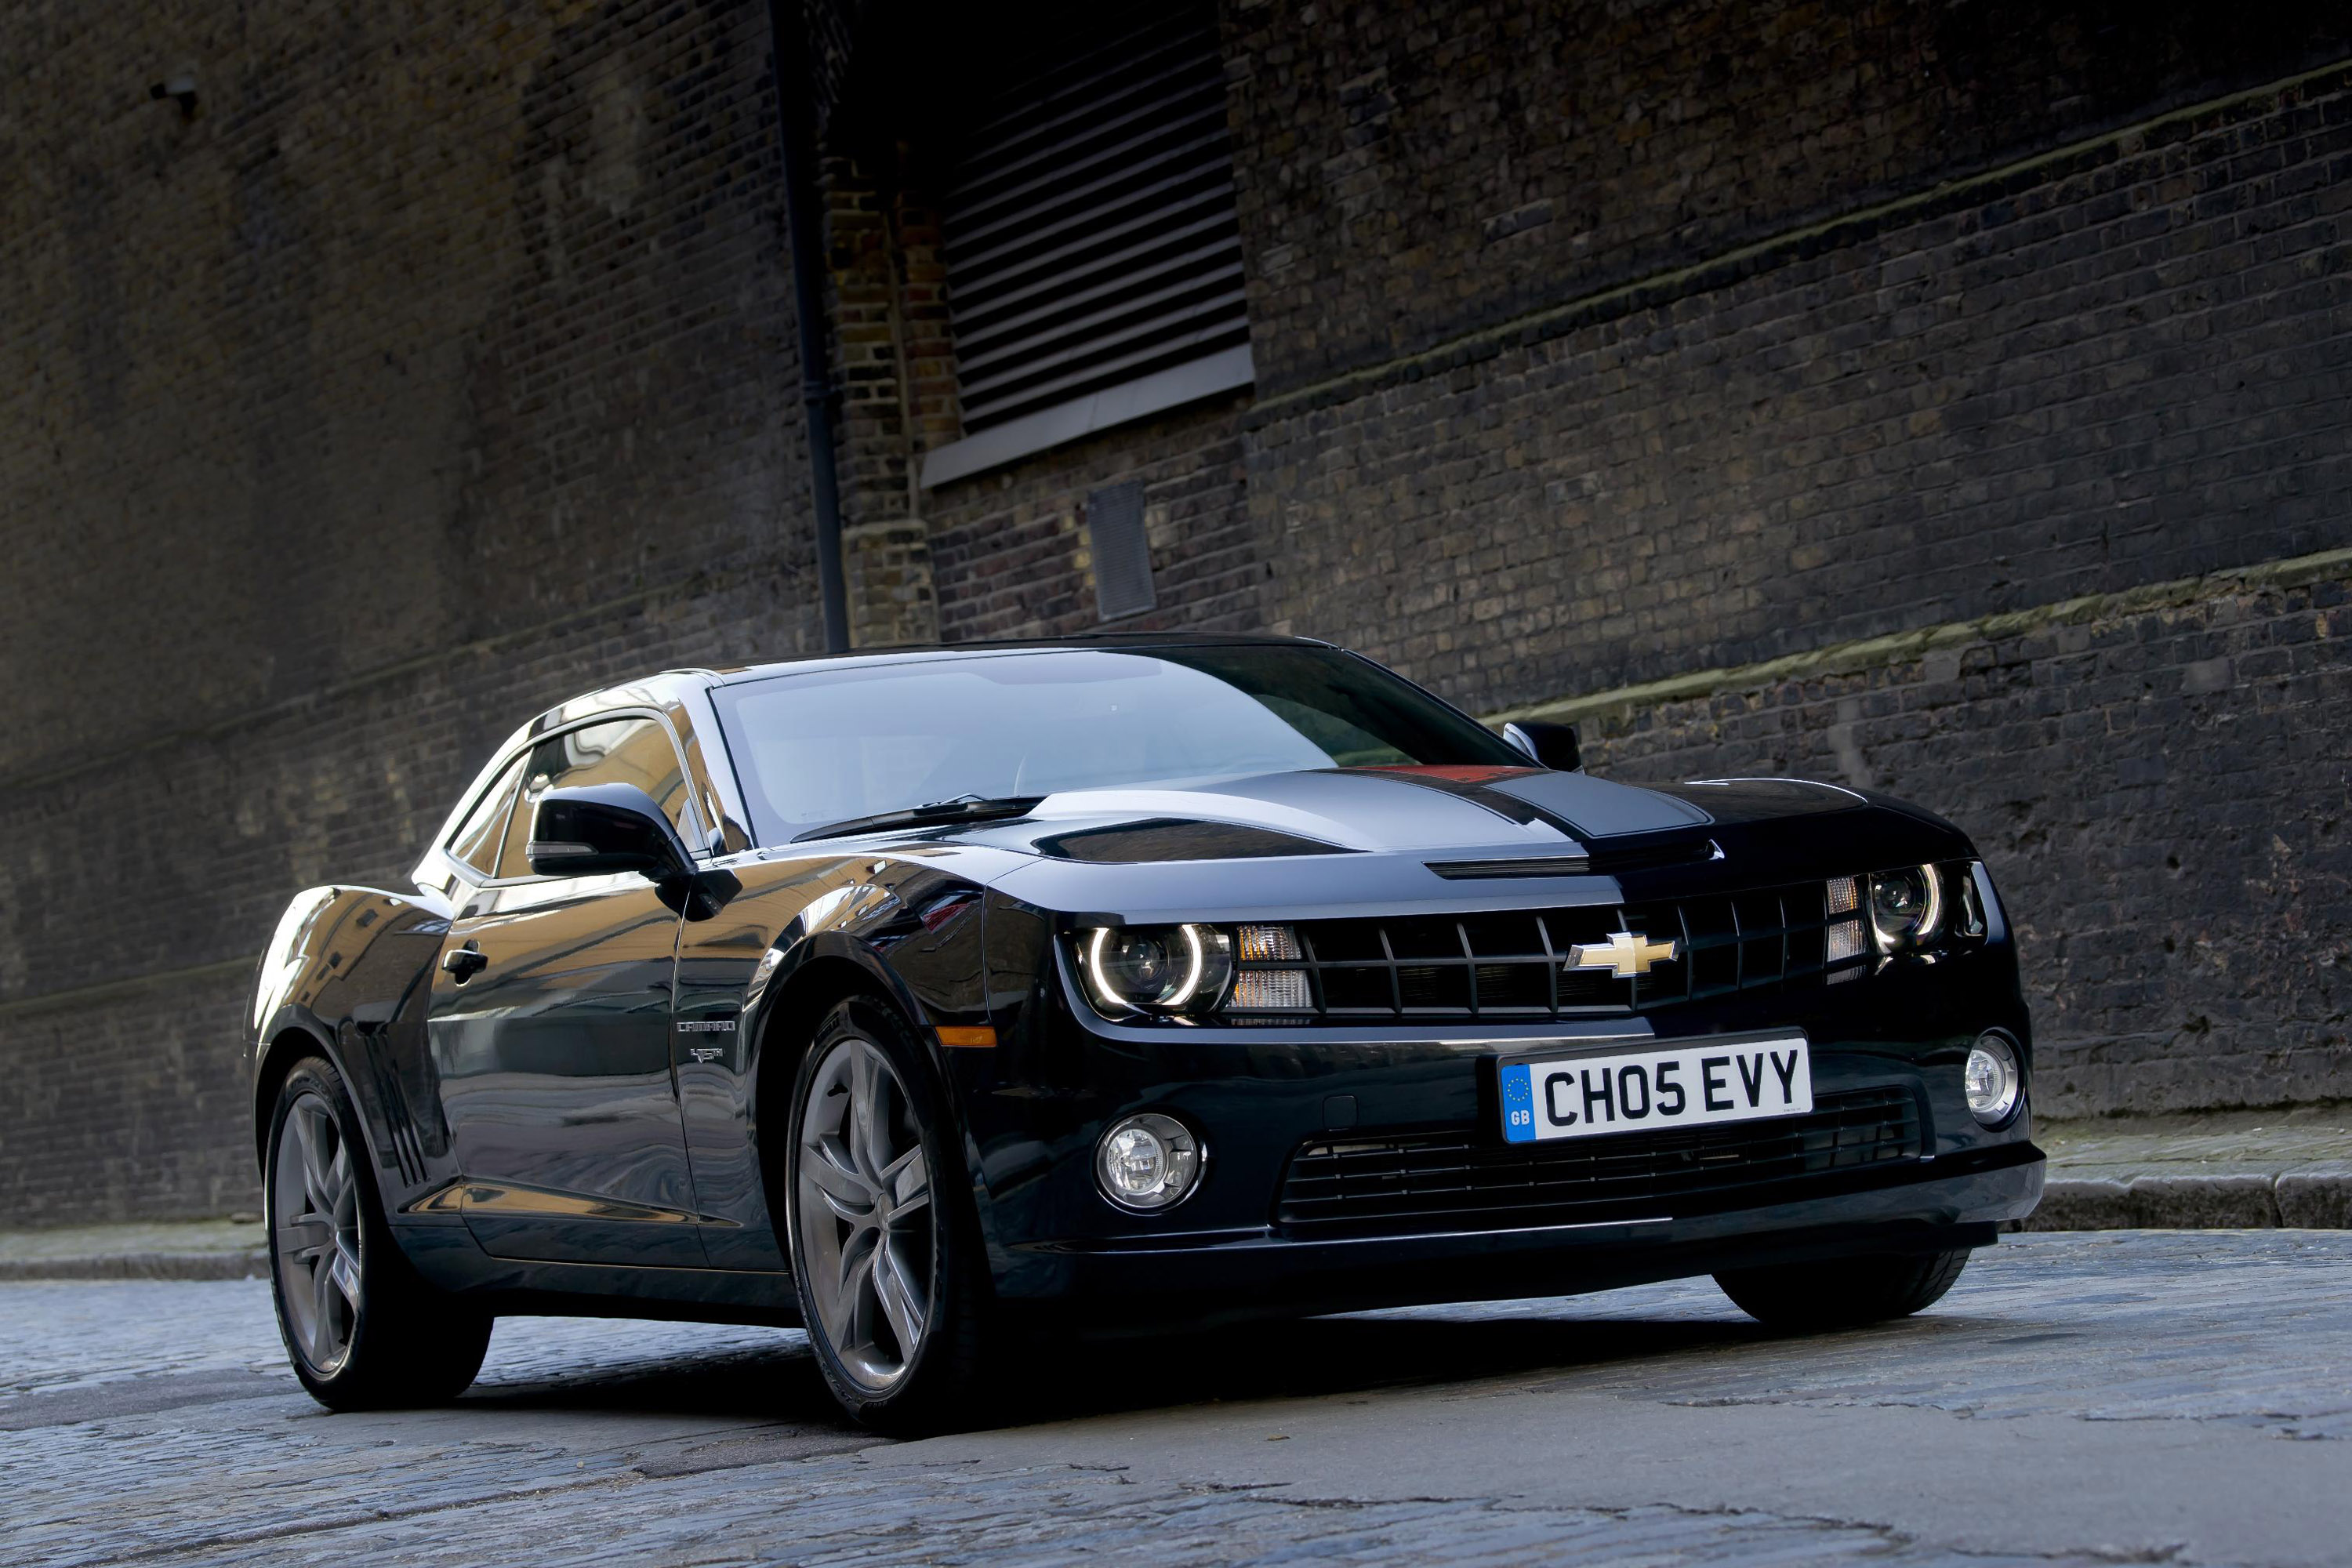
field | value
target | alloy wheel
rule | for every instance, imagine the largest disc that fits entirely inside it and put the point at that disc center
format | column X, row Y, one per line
column 315, row 1221
column 864, row 1207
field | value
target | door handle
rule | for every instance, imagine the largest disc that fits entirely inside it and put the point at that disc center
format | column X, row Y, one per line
column 465, row 962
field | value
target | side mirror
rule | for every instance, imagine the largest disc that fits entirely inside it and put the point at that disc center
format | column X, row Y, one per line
column 1551, row 745
column 598, row 829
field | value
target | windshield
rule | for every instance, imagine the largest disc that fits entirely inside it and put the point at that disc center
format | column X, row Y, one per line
column 829, row 744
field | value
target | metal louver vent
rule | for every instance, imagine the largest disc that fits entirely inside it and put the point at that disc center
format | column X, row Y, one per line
column 1121, row 550
column 1094, row 257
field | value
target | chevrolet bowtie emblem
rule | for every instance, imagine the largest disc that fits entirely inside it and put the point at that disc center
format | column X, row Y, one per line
column 1623, row 955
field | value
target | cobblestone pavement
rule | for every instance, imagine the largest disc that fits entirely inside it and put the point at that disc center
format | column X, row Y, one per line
column 2181, row 1397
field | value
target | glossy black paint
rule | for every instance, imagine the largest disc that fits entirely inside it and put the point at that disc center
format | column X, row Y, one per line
column 602, row 829
column 1554, row 745
column 576, row 1124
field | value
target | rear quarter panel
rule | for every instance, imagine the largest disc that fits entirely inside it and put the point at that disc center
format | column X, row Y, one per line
column 347, row 976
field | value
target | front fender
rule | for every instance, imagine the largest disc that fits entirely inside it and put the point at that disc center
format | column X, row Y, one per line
column 786, row 966
column 754, row 980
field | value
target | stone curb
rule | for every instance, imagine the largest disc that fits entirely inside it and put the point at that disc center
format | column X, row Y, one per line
column 2298, row 1200
column 252, row 1265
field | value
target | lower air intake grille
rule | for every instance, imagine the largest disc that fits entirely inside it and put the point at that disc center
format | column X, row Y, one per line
column 1453, row 1181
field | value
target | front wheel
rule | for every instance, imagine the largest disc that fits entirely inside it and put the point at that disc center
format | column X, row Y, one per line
column 1843, row 1292
column 886, row 1260
column 364, row 1330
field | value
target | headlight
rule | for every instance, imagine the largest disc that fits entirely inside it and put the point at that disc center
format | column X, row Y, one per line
column 1148, row 1162
column 1910, row 909
column 1993, row 1080
column 1156, row 969
column 1906, row 908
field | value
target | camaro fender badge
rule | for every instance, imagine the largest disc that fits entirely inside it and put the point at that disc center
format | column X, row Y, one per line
column 705, row 1055
column 1625, row 954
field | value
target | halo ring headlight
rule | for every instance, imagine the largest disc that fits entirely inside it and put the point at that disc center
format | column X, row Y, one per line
column 1156, row 969
column 1906, row 907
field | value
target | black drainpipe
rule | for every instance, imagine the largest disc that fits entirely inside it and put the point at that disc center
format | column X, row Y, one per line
column 798, row 146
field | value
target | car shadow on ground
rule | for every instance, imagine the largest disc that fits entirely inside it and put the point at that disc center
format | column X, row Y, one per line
column 1057, row 1379
column 1323, row 1357
column 778, row 1385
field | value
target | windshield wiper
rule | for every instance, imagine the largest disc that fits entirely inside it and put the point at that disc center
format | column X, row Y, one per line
column 962, row 808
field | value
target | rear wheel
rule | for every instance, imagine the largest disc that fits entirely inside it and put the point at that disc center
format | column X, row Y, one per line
column 363, row 1329
column 1845, row 1291
column 886, row 1256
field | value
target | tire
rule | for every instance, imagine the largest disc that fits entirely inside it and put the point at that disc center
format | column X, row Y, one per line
column 884, row 1245
column 1843, row 1292
column 363, row 1329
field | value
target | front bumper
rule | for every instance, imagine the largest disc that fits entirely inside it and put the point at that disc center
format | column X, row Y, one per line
column 1257, row 1098
column 1199, row 1278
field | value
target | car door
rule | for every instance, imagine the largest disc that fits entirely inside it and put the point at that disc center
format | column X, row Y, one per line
column 550, row 1030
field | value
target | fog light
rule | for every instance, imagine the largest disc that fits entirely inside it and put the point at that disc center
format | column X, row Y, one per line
column 1147, row 1162
column 1992, row 1079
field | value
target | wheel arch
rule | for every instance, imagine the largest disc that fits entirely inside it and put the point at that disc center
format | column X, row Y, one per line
column 819, row 972
column 287, row 1044
column 810, row 979
column 306, row 999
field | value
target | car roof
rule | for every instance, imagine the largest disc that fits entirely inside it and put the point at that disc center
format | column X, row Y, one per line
column 916, row 653
column 652, row 689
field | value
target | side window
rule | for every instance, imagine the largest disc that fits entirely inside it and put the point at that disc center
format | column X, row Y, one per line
column 639, row 751
column 476, row 840
column 635, row 750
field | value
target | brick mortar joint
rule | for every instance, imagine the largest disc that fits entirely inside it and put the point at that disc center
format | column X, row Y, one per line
column 1901, row 647
column 117, row 990
column 1740, row 262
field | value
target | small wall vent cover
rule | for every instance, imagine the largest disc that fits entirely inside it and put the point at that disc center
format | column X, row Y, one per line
column 1122, row 552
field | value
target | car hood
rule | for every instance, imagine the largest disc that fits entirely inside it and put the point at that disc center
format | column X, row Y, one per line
column 1337, row 842
column 1505, row 811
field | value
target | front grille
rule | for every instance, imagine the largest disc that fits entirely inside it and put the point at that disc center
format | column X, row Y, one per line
column 1455, row 1181
column 1512, row 967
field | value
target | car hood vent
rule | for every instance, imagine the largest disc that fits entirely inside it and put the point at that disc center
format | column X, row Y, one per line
column 1176, row 839
column 1612, row 861
column 1524, row 866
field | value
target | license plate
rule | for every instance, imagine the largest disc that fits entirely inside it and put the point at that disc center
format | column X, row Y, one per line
column 1670, row 1086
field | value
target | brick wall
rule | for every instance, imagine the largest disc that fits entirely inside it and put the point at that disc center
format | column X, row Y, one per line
column 1009, row 550
column 127, row 959
column 2161, row 782
column 2121, row 366
column 2109, row 364
column 1004, row 554
column 1416, row 171
column 896, row 375
column 1948, row 398
column 437, row 367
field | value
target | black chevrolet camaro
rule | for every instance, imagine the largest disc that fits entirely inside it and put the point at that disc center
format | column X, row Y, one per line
column 936, row 999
